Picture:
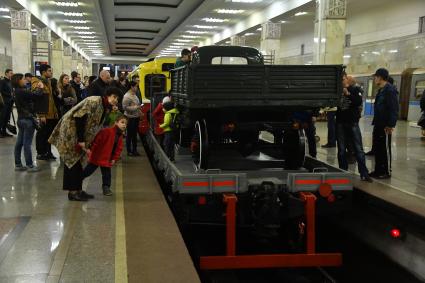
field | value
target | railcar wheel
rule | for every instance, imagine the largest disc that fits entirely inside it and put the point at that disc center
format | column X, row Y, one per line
column 200, row 145
column 294, row 143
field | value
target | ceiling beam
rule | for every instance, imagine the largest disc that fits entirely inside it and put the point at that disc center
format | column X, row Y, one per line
column 148, row 4
column 163, row 21
column 137, row 30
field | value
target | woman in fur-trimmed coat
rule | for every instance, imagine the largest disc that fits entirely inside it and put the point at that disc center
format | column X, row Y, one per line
column 73, row 135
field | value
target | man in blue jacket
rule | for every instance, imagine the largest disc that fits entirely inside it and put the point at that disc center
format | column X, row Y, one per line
column 384, row 121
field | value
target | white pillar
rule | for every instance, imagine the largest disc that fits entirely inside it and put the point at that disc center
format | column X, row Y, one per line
column 329, row 31
column 41, row 52
column 237, row 40
column 74, row 60
column 57, row 57
column 21, row 41
column 67, row 57
column 80, row 64
column 270, row 40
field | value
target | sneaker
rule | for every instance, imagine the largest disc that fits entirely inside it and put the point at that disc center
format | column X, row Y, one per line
column 33, row 169
column 329, row 145
column 107, row 191
column 76, row 197
column 86, row 195
column 367, row 179
column 20, row 168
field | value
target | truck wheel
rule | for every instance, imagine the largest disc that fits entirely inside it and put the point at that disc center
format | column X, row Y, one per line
column 200, row 145
column 294, row 142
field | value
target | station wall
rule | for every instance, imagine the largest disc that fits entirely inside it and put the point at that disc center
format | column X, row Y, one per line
column 381, row 36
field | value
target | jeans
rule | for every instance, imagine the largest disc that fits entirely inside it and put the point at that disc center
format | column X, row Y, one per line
column 169, row 143
column 351, row 132
column 26, row 133
column 331, row 127
column 106, row 173
column 5, row 114
column 131, row 138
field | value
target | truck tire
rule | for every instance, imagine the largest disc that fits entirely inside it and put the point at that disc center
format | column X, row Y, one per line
column 200, row 145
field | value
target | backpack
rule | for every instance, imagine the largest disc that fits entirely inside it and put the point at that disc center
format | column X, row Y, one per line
column 175, row 122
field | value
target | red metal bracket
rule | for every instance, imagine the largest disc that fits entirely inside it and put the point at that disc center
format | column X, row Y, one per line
column 232, row 261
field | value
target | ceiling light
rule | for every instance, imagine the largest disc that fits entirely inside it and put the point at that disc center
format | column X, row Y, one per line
column 205, row 27
column 301, row 14
column 4, row 10
column 34, row 30
column 249, row 33
column 229, row 11
column 179, row 43
column 80, row 27
column 91, row 40
column 184, row 40
column 85, row 32
column 197, row 32
column 246, row 1
column 228, row 42
column 214, row 20
column 259, row 28
column 76, row 21
column 87, row 36
column 66, row 4
column 283, row 22
column 393, row 51
column 6, row 16
column 190, row 36
column 347, row 56
column 71, row 14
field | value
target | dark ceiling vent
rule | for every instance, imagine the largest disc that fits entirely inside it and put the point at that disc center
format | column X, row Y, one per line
column 133, row 37
column 137, row 30
column 148, row 4
column 142, row 20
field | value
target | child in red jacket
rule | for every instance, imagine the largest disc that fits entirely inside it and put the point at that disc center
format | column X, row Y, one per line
column 105, row 151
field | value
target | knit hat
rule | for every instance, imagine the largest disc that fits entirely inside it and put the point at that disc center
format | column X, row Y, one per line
column 166, row 99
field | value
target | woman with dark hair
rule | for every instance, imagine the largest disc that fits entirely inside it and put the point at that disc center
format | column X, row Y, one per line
column 67, row 94
column 73, row 135
column 131, row 105
column 24, row 100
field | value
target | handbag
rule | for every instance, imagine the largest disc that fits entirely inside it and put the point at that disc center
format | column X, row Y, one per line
column 12, row 128
column 421, row 121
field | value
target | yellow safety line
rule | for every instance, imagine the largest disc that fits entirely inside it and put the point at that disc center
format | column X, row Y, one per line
column 120, row 241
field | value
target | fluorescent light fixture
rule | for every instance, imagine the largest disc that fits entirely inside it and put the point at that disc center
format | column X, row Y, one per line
column 228, row 42
column 347, row 56
column 246, row 1
column 393, row 51
column 87, row 36
column 229, row 11
column 249, row 33
column 197, row 32
column 71, row 14
column 190, row 36
column 205, row 27
column 179, row 43
column 376, row 53
column 184, row 40
column 93, row 46
column 214, row 20
column 300, row 14
column 34, row 30
column 91, row 40
column 4, row 10
column 86, row 32
column 81, row 27
column 7, row 16
column 66, row 4
column 283, row 22
column 259, row 29
column 76, row 21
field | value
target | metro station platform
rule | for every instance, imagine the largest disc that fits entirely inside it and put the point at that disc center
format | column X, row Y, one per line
column 46, row 238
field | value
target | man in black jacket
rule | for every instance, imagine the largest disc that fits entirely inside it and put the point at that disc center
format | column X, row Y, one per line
column 384, row 121
column 76, row 84
column 347, row 128
column 6, row 93
column 98, row 87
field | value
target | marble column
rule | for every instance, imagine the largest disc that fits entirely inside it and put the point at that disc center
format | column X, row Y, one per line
column 42, row 50
column 270, row 41
column 67, row 58
column 57, row 57
column 74, row 60
column 89, row 68
column 21, row 38
column 80, row 65
column 237, row 40
column 329, row 31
